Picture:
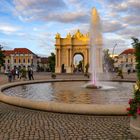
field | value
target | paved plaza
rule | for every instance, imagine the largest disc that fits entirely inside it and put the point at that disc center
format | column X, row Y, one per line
column 25, row 124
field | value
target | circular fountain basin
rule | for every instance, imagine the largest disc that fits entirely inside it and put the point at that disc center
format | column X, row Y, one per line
column 73, row 92
column 70, row 96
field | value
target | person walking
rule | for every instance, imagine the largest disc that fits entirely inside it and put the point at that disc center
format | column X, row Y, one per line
column 120, row 73
column 128, row 71
column 29, row 73
column 13, row 73
column 32, row 74
column 9, row 75
column 23, row 73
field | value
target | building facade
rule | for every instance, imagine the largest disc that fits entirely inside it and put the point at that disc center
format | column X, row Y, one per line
column 43, row 64
column 126, row 60
column 20, row 57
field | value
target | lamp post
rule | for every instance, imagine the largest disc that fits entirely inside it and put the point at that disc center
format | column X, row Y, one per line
column 113, row 50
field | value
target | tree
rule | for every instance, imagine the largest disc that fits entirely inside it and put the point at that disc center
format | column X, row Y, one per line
column 108, row 61
column 2, row 56
column 51, row 62
column 136, row 46
column 134, row 109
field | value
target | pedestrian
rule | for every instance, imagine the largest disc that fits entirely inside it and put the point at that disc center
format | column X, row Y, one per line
column 9, row 75
column 87, row 67
column 23, row 73
column 32, row 74
column 13, row 73
column 128, row 71
column 17, row 73
column 120, row 73
column 29, row 73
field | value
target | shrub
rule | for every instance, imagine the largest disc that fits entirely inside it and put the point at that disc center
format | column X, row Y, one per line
column 134, row 103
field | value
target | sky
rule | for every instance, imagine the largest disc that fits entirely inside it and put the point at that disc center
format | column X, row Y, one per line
column 33, row 24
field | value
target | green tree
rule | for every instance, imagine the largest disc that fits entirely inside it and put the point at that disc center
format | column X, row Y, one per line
column 108, row 61
column 2, row 56
column 51, row 62
column 136, row 46
column 135, row 102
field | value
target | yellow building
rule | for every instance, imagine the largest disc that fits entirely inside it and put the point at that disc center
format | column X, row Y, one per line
column 20, row 57
column 71, row 45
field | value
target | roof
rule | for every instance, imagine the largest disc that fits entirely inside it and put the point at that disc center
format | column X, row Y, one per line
column 128, row 51
column 8, row 52
column 22, row 51
column 18, row 51
column 44, row 60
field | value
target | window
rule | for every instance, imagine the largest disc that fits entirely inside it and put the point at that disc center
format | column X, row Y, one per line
column 19, row 60
column 23, row 60
column 28, row 60
column 8, row 61
column 14, row 60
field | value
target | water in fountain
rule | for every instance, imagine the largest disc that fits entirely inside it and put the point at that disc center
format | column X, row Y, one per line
column 95, row 49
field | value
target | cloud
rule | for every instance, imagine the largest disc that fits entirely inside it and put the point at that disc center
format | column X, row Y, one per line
column 29, row 10
column 5, row 45
column 134, row 6
column 5, row 6
column 111, row 40
column 80, row 4
column 112, row 26
column 132, row 19
column 120, row 18
column 41, row 41
column 84, row 29
column 8, row 29
column 130, row 32
column 48, row 10
column 121, row 7
column 124, row 5
column 44, row 40
column 37, row 5
column 67, row 17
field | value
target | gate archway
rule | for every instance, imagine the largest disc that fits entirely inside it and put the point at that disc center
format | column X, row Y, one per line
column 78, row 63
column 67, row 47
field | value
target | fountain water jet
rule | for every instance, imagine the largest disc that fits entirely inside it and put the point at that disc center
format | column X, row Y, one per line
column 95, row 49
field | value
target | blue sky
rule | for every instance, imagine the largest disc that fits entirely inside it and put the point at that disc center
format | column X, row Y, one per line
column 33, row 23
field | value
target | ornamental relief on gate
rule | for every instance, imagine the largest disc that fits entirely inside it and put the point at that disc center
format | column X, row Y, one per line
column 79, row 51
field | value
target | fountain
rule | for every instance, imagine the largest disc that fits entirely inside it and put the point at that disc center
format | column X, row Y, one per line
column 69, row 96
column 95, row 49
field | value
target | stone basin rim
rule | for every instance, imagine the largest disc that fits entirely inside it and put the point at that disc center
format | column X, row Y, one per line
column 97, row 109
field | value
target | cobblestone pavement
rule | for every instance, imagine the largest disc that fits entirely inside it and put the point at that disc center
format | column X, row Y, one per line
column 25, row 124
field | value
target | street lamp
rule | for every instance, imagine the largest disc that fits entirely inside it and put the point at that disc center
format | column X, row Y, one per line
column 113, row 50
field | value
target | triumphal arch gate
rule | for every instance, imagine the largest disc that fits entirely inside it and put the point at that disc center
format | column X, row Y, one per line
column 67, row 48
column 71, row 45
